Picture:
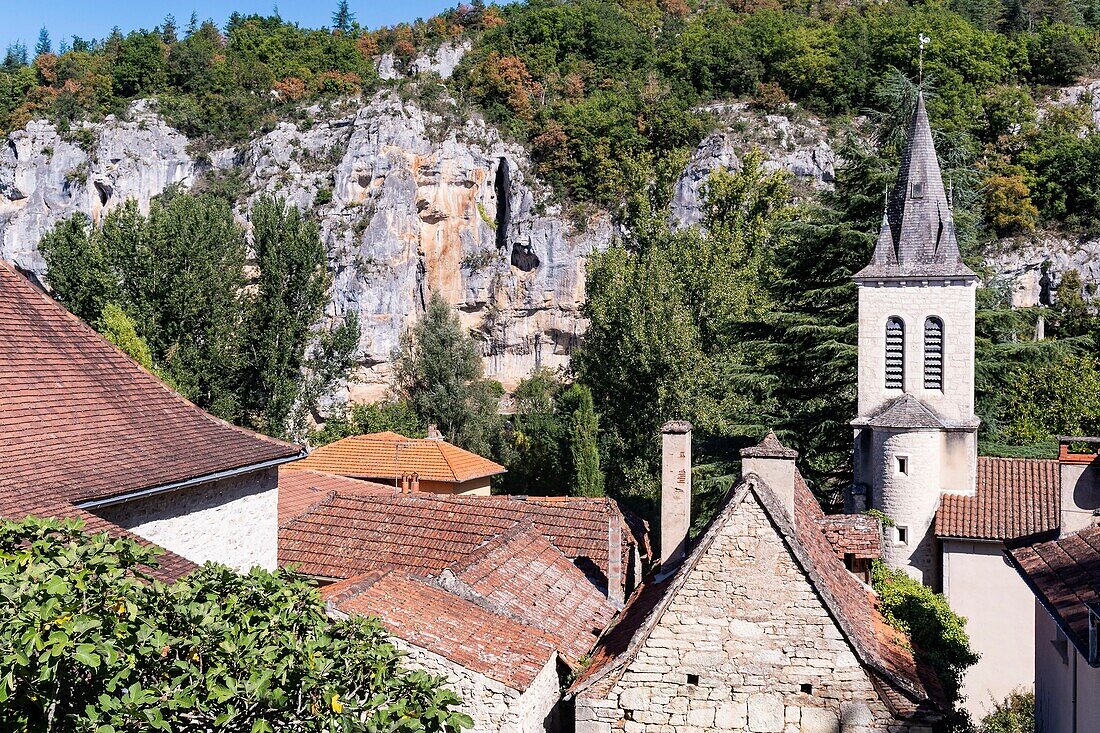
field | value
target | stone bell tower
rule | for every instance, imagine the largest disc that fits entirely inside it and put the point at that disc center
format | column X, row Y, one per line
column 916, row 432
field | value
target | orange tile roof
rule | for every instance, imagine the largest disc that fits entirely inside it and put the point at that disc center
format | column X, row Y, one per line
column 302, row 490
column 424, row 615
column 385, row 455
column 1014, row 498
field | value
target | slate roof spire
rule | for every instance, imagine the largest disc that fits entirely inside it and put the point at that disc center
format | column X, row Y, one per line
column 917, row 237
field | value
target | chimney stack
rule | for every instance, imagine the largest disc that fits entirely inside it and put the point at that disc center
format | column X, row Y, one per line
column 1079, row 476
column 675, row 491
column 774, row 464
column 404, row 483
column 414, row 485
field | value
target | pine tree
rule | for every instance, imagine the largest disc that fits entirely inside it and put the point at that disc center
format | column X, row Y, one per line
column 343, row 18
column 588, row 478
column 15, row 56
column 44, row 45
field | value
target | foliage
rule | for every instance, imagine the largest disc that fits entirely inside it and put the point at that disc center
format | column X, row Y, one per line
column 1058, row 399
column 1014, row 714
column 370, row 417
column 588, row 478
column 938, row 634
column 118, row 328
column 90, row 642
column 178, row 276
column 437, row 371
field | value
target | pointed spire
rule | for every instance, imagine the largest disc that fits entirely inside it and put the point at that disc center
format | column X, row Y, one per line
column 918, row 232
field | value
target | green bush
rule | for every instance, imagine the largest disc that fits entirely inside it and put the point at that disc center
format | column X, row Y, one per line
column 1014, row 714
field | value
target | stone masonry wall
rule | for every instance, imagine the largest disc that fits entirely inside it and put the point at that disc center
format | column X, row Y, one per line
column 495, row 707
column 746, row 645
column 234, row 521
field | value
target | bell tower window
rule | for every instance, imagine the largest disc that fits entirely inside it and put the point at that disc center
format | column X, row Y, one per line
column 895, row 353
column 933, row 353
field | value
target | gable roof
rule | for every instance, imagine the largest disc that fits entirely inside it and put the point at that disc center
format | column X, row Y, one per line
column 917, row 237
column 910, row 689
column 425, row 615
column 385, row 455
column 521, row 575
column 1064, row 575
column 81, row 421
column 1014, row 499
column 302, row 490
column 906, row 412
column 859, row 535
column 423, row 533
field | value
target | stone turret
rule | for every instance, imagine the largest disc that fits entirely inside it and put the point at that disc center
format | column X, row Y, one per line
column 916, row 432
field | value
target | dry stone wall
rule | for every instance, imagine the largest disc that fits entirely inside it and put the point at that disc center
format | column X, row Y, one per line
column 746, row 645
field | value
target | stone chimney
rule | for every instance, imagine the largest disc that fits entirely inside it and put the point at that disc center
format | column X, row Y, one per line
column 404, row 483
column 433, row 432
column 675, row 491
column 1079, row 476
column 774, row 464
column 615, row 592
column 414, row 484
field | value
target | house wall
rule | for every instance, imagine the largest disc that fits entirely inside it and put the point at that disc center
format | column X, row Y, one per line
column 495, row 707
column 234, row 521
column 973, row 574
column 1057, row 667
column 748, row 623
column 473, row 487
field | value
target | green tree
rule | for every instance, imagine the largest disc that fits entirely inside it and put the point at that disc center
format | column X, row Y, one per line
column 77, row 268
column 588, row 478
column 1062, row 398
column 371, row 417
column 89, row 641
column 44, row 46
column 140, row 67
column 117, row 327
column 538, row 458
column 342, row 18
column 437, row 370
column 1014, row 714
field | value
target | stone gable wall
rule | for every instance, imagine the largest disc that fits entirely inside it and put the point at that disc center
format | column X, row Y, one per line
column 750, row 630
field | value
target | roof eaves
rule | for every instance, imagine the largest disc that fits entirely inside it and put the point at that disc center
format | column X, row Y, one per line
column 1080, row 645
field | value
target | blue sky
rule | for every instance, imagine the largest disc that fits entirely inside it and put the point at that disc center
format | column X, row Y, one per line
column 20, row 20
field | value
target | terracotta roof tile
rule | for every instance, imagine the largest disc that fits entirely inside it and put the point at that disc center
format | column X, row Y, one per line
column 429, row 617
column 385, row 455
column 1015, row 498
column 856, row 534
column 301, row 490
column 79, row 420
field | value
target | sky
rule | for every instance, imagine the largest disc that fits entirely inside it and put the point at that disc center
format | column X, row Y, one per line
column 20, row 20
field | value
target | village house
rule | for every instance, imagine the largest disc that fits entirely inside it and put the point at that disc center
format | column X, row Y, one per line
column 759, row 627
column 427, row 464
column 503, row 596
column 87, row 433
column 1064, row 577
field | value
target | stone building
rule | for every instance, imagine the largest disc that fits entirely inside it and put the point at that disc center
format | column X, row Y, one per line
column 759, row 628
column 429, row 464
column 87, row 433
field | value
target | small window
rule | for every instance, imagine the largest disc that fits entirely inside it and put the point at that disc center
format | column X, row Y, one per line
column 895, row 353
column 918, row 190
column 693, row 679
column 806, row 688
column 903, row 535
column 902, row 465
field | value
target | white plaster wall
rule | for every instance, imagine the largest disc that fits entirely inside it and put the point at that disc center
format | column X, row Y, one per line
column 1054, row 683
column 1000, row 611
column 910, row 500
column 495, row 707
column 234, row 521
column 913, row 302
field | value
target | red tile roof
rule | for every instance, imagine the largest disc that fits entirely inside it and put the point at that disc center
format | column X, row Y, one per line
column 521, row 575
column 1064, row 574
column 460, row 630
column 385, row 455
column 302, row 490
column 858, row 535
column 1014, row 498
column 79, row 420
column 424, row 533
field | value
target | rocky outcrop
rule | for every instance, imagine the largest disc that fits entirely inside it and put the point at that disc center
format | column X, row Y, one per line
column 1031, row 268
column 797, row 144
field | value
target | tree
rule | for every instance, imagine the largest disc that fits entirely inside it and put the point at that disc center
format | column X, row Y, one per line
column 437, row 370
column 117, row 327
column 343, row 18
column 15, row 57
column 1062, row 398
column 588, row 478
column 372, row 417
column 89, row 641
column 1014, row 714
column 77, row 267
column 44, row 45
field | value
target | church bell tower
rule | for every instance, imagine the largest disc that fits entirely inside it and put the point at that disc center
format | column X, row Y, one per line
column 916, row 432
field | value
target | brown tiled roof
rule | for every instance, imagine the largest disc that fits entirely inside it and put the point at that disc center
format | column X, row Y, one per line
column 1015, row 498
column 521, row 575
column 913, row 689
column 856, row 534
column 385, row 455
column 431, row 618
column 301, row 490
column 79, row 420
column 1064, row 574
column 424, row 533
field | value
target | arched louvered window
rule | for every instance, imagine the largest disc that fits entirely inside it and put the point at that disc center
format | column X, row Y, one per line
column 933, row 353
column 895, row 353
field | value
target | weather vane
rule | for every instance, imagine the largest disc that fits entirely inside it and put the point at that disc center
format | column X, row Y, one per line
column 920, row 64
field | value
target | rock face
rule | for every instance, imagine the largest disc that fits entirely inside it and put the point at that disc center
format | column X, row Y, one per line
column 1033, row 267
column 799, row 146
